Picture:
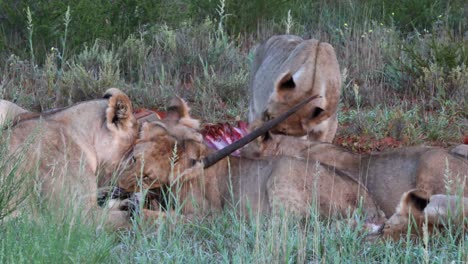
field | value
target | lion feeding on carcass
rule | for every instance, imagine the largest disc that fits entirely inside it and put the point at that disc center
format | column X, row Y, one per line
column 287, row 69
column 289, row 173
column 66, row 149
column 169, row 151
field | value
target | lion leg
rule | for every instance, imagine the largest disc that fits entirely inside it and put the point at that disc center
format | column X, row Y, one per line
column 283, row 193
column 111, row 218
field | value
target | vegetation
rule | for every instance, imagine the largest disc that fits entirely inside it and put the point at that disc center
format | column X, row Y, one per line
column 405, row 77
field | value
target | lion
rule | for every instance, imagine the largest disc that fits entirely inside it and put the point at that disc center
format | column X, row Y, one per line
column 9, row 110
column 387, row 175
column 287, row 68
column 11, row 113
column 417, row 211
column 68, row 149
column 169, row 153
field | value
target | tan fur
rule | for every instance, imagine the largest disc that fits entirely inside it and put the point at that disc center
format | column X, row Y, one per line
column 282, row 75
column 70, row 147
column 417, row 211
column 263, row 185
column 387, row 175
column 9, row 110
column 174, row 139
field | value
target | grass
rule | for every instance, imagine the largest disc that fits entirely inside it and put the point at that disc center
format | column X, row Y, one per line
column 223, row 238
column 46, row 240
column 54, row 235
column 404, row 77
column 420, row 72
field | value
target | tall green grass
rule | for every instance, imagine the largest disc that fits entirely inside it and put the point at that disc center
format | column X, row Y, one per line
column 15, row 181
column 57, row 233
column 224, row 238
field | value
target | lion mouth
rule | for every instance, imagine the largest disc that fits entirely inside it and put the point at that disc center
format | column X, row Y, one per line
column 156, row 198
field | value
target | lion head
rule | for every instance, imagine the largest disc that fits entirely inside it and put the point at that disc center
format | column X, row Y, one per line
column 285, row 70
column 165, row 150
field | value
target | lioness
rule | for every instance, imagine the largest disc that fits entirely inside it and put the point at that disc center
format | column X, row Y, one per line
column 168, row 153
column 70, row 147
column 9, row 110
column 417, row 210
column 387, row 175
column 286, row 69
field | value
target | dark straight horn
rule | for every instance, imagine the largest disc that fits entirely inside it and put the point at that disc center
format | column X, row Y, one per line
column 222, row 153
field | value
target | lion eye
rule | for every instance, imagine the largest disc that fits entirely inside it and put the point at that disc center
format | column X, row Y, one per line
column 146, row 177
column 133, row 160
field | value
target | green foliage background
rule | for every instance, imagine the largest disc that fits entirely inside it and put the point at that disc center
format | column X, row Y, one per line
column 116, row 20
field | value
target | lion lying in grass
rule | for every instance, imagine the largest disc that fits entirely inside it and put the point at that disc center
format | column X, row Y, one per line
column 169, row 152
column 66, row 149
column 286, row 172
column 418, row 211
column 9, row 110
column 387, row 175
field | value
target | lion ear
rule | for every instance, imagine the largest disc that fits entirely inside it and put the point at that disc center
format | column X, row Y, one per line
column 413, row 201
column 152, row 130
column 119, row 112
column 284, row 85
column 178, row 112
column 110, row 92
column 285, row 82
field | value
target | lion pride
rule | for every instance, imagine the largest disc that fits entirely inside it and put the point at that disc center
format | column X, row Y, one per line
column 66, row 149
column 285, row 70
column 290, row 173
column 168, row 152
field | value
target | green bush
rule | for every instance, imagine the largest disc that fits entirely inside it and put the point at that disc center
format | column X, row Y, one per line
column 90, row 20
column 418, row 15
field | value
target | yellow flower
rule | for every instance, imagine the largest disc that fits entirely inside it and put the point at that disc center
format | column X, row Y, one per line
column 370, row 30
column 393, row 14
column 381, row 23
column 345, row 24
